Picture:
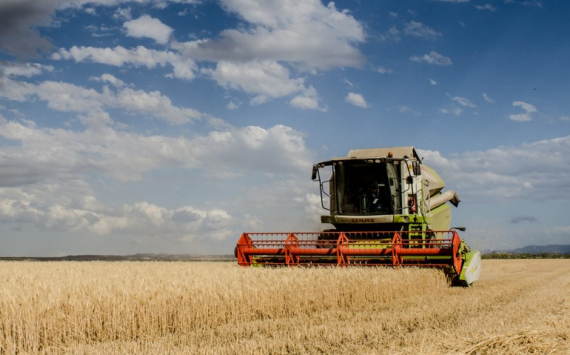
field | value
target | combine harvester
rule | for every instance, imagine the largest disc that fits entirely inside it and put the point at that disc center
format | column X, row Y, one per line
column 388, row 209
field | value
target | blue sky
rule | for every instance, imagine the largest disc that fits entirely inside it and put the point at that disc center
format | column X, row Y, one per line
column 154, row 126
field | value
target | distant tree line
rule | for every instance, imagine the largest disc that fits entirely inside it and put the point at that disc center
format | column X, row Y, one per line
column 502, row 255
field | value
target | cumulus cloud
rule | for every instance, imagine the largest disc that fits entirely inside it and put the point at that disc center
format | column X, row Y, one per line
column 24, row 69
column 119, row 56
column 90, row 102
column 528, row 112
column 43, row 154
column 263, row 79
column 533, row 172
column 62, row 211
column 257, row 58
column 309, row 100
column 111, row 79
column 43, row 176
column 296, row 31
column 433, row 58
column 307, row 103
column 356, row 100
column 148, row 27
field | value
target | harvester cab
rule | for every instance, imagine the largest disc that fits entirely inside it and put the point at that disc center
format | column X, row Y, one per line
column 384, row 190
column 386, row 207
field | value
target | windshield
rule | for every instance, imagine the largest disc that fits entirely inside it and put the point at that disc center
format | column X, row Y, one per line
column 367, row 189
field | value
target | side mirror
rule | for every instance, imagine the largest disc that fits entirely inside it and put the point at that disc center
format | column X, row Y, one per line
column 463, row 229
column 314, row 173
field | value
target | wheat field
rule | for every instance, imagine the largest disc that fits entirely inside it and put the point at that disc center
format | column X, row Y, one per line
column 518, row 307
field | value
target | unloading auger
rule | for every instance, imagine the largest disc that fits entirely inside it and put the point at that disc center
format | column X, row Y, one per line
column 388, row 209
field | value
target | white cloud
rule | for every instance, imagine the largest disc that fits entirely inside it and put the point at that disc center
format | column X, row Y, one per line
column 148, row 27
column 525, row 106
column 306, row 103
column 407, row 110
column 64, row 212
column 487, row 98
column 313, row 208
column 256, row 58
column 433, row 58
column 24, row 69
column 264, row 79
column 453, row 110
column 530, row 172
column 418, row 29
column 309, row 100
column 356, row 100
column 89, row 102
column 111, row 79
column 527, row 115
column 463, row 101
column 119, row 56
column 15, row 90
column 410, row 29
column 123, row 14
column 487, row 7
column 153, row 103
column 43, row 154
column 529, row 3
column 303, row 32
column 232, row 106
column 432, row 82
column 383, row 70
column 42, row 177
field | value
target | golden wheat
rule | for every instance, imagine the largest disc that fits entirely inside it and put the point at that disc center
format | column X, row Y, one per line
column 220, row 308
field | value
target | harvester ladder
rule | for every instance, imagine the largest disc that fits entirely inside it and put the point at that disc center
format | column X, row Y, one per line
column 416, row 232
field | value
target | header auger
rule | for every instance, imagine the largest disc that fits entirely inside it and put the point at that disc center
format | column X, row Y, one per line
column 388, row 209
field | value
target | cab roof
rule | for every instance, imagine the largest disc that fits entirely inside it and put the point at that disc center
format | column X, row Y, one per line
column 395, row 152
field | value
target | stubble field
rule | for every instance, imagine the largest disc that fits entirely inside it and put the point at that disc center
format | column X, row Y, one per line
column 518, row 307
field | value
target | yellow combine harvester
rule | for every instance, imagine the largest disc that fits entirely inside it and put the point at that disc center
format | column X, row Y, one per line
column 387, row 209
